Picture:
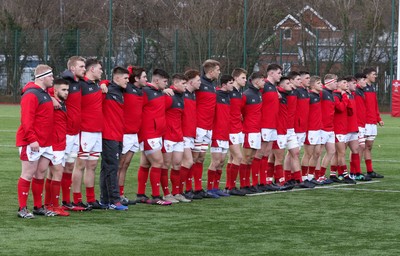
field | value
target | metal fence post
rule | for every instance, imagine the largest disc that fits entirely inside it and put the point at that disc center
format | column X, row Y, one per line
column 316, row 53
column 46, row 45
column 78, row 38
column 16, row 63
column 142, row 41
column 354, row 52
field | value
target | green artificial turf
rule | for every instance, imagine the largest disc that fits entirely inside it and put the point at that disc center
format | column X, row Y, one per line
column 360, row 219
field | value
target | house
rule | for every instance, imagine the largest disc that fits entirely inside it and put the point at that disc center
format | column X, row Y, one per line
column 294, row 43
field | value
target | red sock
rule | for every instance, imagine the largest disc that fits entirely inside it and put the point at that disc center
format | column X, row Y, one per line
column 279, row 177
column 287, row 174
column 164, row 181
column 121, row 190
column 255, row 171
column 175, row 181
column 77, row 197
column 368, row 164
column 334, row 168
column 47, row 192
column 37, row 190
column 355, row 159
column 143, row 176
column 311, row 171
column 304, row 170
column 23, row 192
column 248, row 171
column 155, row 179
column 90, row 196
column 217, row 179
column 183, row 176
column 210, row 179
column 228, row 175
column 66, row 182
column 234, row 174
column 242, row 175
column 270, row 173
column 197, row 175
column 55, row 193
column 322, row 171
column 263, row 170
column 189, row 180
column 297, row 176
column 344, row 169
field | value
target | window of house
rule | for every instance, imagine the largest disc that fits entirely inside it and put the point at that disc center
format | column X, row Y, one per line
column 287, row 34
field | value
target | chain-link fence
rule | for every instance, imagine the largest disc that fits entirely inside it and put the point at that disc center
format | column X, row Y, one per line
column 319, row 52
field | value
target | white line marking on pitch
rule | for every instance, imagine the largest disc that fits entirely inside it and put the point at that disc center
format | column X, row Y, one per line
column 370, row 190
column 308, row 189
column 7, row 130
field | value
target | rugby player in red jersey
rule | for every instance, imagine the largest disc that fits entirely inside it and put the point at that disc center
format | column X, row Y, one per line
column 189, row 132
column 173, row 145
column 236, row 132
column 90, row 136
column 220, row 137
column 34, row 142
column 152, row 130
column 54, row 175
column 206, row 99
column 252, row 115
column 373, row 118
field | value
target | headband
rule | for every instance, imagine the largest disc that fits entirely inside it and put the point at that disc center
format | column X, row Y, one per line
column 44, row 74
column 329, row 81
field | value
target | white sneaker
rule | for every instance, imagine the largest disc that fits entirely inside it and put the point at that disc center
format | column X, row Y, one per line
column 170, row 198
column 181, row 198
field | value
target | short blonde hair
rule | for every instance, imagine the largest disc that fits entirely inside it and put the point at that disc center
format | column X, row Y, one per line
column 41, row 68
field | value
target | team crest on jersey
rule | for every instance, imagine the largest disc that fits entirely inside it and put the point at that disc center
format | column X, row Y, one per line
column 155, row 93
column 179, row 104
column 90, row 89
column 253, row 100
column 223, row 100
column 205, row 88
column 45, row 97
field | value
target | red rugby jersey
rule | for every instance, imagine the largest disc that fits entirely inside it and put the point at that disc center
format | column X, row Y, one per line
column 133, row 104
column 328, row 109
column 153, row 115
column 302, row 110
column 235, row 118
column 206, row 99
column 73, row 102
column 291, row 105
column 189, row 120
column 352, row 125
column 270, row 106
column 60, row 127
column 174, row 116
column 222, row 115
column 360, row 105
column 372, row 110
column 113, row 113
column 315, row 112
column 37, row 117
column 283, row 120
column 91, row 107
column 340, row 115
column 252, row 110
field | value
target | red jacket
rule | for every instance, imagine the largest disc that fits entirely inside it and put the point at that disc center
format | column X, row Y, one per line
column 153, row 115
column 206, row 99
column 174, row 115
column 371, row 103
column 352, row 125
column 189, row 120
column 302, row 110
column 328, row 109
column 113, row 113
column 60, row 127
column 222, row 115
column 73, row 102
column 361, row 108
column 270, row 106
column 251, row 110
column 341, row 109
column 133, row 105
column 315, row 112
column 92, row 113
column 36, row 117
column 283, row 121
column 291, row 104
column 235, row 118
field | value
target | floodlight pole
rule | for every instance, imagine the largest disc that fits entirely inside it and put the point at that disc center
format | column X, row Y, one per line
column 398, row 42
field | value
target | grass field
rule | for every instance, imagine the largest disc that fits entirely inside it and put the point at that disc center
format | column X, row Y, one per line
column 362, row 219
